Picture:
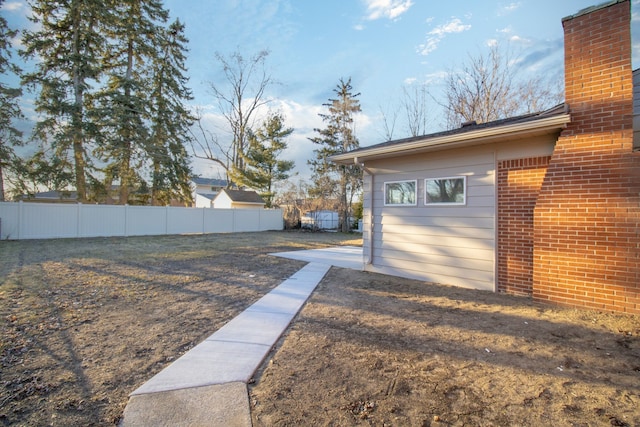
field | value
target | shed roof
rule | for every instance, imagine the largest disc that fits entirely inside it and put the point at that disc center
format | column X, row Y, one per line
column 243, row 196
column 528, row 125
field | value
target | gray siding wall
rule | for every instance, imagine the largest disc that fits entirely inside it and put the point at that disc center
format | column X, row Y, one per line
column 443, row 244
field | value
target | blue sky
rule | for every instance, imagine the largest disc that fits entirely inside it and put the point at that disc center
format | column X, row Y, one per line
column 380, row 44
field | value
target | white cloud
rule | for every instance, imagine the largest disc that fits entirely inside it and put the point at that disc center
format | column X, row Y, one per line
column 358, row 27
column 391, row 9
column 13, row 6
column 435, row 36
column 435, row 77
column 492, row 42
column 303, row 118
column 428, row 46
column 453, row 26
column 16, row 42
column 518, row 39
column 507, row 9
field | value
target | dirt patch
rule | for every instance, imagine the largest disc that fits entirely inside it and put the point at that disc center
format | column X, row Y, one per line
column 382, row 351
column 85, row 322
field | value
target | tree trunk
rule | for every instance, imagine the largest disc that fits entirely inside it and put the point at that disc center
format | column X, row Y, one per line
column 1, row 184
column 77, row 118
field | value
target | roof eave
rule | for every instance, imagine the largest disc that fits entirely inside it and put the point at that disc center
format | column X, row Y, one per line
column 476, row 137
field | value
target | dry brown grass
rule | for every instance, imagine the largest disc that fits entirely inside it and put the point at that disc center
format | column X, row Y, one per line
column 86, row 321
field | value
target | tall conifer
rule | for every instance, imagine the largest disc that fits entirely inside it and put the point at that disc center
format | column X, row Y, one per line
column 68, row 45
column 170, row 120
column 330, row 179
column 134, row 38
column 10, row 110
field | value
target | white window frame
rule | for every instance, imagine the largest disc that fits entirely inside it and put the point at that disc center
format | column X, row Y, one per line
column 415, row 193
column 464, row 194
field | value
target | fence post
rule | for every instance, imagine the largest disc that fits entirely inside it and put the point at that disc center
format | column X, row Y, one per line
column 20, row 213
column 78, row 222
column 166, row 219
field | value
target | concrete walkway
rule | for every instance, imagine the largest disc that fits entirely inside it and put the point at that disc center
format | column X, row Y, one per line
column 340, row 256
column 207, row 386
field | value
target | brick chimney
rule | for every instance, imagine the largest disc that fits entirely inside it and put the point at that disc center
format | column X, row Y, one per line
column 587, row 215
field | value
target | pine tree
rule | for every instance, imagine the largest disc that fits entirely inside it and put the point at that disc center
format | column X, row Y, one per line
column 170, row 120
column 69, row 45
column 262, row 168
column 10, row 110
column 125, row 100
column 337, row 137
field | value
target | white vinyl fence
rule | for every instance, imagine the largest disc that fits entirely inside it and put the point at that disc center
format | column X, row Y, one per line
column 51, row 220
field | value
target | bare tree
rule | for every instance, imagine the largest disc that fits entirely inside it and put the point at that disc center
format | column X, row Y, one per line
column 389, row 120
column 239, row 98
column 206, row 145
column 414, row 106
column 412, row 110
column 487, row 88
column 537, row 94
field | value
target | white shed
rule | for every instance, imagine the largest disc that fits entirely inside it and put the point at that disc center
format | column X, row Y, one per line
column 238, row 199
column 320, row 220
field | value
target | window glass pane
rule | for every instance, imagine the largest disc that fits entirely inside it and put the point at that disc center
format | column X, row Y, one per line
column 445, row 190
column 400, row 193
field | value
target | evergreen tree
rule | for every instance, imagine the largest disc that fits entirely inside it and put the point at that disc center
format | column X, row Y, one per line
column 330, row 179
column 170, row 120
column 69, row 45
column 262, row 168
column 125, row 100
column 10, row 136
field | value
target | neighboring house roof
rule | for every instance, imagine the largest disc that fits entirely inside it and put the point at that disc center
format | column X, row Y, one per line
column 241, row 196
column 469, row 134
column 55, row 195
column 209, row 181
column 208, row 196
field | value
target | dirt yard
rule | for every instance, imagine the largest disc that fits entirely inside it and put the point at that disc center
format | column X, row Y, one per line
column 85, row 322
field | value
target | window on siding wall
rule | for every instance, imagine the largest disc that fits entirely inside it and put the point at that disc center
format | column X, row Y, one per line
column 445, row 191
column 400, row 193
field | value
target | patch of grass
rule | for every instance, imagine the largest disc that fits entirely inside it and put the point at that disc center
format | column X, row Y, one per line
column 84, row 322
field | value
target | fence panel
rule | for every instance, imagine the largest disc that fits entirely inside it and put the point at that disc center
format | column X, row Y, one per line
column 9, row 221
column 247, row 220
column 58, row 221
column 271, row 219
column 51, row 220
column 146, row 220
column 184, row 220
column 102, row 220
column 219, row 220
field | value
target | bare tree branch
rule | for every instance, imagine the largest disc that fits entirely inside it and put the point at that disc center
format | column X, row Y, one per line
column 240, row 96
column 389, row 118
column 205, row 145
column 487, row 88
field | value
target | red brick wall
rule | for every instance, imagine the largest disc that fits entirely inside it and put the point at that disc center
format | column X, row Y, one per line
column 586, row 239
column 519, row 183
